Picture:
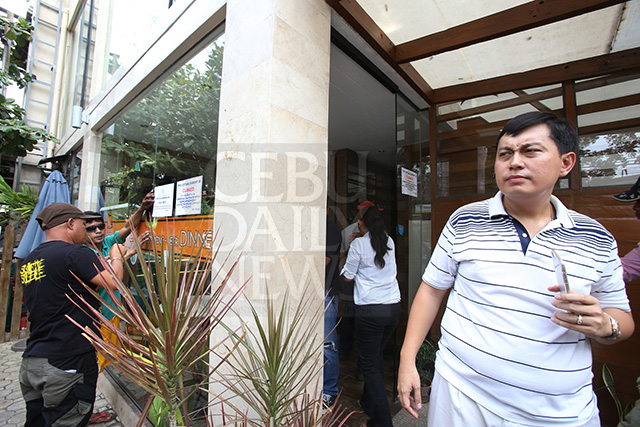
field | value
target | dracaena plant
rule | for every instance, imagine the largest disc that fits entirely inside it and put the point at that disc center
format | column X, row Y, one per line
column 276, row 367
column 309, row 412
column 173, row 326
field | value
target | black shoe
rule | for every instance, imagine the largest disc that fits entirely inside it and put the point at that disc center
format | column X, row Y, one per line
column 630, row 195
column 328, row 401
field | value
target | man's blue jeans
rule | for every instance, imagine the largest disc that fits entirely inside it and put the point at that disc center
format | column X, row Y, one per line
column 330, row 377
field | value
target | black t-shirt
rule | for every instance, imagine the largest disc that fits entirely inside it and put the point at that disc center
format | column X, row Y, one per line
column 334, row 240
column 47, row 280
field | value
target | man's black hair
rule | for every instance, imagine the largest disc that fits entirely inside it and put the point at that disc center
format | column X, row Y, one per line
column 94, row 213
column 560, row 131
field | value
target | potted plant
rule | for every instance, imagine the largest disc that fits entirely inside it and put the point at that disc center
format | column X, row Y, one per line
column 171, row 335
column 425, row 364
column 173, row 326
column 275, row 365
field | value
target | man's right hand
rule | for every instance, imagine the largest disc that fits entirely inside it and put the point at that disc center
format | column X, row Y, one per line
column 409, row 388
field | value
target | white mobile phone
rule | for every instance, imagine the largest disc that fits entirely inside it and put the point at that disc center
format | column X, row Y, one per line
column 561, row 272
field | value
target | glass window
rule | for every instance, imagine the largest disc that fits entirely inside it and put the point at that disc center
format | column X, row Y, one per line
column 78, row 78
column 127, row 27
column 609, row 125
column 86, row 32
column 167, row 137
column 167, row 140
column 467, row 134
column 73, row 177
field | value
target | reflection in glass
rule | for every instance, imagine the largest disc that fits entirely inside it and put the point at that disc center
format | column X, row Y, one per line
column 468, row 132
column 168, row 136
column 128, row 25
column 610, row 159
column 608, row 112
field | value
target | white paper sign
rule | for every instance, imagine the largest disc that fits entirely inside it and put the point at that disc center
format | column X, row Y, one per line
column 409, row 183
column 163, row 201
column 189, row 196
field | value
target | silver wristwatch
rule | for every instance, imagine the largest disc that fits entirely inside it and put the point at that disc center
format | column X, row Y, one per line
column 615, row 329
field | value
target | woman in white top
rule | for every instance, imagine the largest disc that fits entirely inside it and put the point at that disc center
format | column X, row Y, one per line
column 372, row 263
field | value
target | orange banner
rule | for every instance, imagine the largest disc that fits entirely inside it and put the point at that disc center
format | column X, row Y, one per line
column 189, row 234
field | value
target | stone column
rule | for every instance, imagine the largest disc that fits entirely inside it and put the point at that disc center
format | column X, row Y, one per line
column 272, row 149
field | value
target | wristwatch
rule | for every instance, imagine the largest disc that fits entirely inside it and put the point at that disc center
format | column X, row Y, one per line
column 615, row 329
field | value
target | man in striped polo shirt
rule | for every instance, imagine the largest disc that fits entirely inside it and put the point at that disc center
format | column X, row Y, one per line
column 514, row 349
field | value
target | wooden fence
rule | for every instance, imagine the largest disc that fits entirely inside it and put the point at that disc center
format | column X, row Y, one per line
column 11, row 292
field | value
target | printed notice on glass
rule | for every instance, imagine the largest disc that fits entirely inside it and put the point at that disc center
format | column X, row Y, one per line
column 409, row 183
column 189, row 196
column 163, row 201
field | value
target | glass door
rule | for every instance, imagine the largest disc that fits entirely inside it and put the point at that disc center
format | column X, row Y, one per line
column 413, row 230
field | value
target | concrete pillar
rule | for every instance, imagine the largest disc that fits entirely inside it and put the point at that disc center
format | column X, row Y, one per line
column 272, row 148
column 89, row 171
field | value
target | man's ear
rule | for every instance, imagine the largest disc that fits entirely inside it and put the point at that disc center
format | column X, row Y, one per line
column 568, row 162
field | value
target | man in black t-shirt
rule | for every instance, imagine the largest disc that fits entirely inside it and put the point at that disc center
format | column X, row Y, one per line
column 59, row 372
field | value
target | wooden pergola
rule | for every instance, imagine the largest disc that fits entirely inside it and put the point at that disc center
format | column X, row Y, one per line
column 536, row 50
column 527, row 16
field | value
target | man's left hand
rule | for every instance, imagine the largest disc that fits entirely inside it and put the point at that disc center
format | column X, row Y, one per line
column 581, row 313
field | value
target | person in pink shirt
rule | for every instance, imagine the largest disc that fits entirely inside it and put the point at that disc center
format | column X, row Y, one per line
column 631, row 271
column 631, row 261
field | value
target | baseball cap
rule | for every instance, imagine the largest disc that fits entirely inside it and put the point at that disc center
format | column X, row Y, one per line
column 630, row 195
column 365, row 204
column 59, row 213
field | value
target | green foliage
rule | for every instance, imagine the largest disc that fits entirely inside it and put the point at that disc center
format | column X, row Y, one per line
column 277, row 362
column 16, row 205
column 171, row 133
column 607, row 378
column 425, row 361
column 159, row 412
column 16, row 137
column 184, row 306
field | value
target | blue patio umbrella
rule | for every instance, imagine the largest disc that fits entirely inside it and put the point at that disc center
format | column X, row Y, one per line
column 55, row 189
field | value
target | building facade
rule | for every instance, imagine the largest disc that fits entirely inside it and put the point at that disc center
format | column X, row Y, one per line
column 268, row 112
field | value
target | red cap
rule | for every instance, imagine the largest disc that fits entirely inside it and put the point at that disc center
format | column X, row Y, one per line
column 365, row 204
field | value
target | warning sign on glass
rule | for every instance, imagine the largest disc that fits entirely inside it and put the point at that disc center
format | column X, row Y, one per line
column 189, row 196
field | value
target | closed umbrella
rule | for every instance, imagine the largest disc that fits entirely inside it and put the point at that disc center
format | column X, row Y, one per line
column 55, row 189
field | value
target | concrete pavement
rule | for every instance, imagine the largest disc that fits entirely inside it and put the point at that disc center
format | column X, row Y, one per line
column 12, row 408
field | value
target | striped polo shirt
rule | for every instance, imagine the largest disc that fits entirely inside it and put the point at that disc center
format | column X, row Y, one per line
column 498, row 345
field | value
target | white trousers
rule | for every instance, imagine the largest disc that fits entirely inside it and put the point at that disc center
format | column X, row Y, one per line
column 449, row 407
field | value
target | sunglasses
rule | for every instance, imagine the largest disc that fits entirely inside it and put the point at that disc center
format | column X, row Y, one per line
column 92, row 228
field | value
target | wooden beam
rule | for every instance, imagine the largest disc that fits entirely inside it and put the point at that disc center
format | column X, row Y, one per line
column 609, row 127
column 521, row 99
column 609, row 104
column 366, row 27
column 569, row 107
column 511, row 21
column 622, row 61
column 607, row 80
column 551, row 93
column 522, row 95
